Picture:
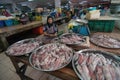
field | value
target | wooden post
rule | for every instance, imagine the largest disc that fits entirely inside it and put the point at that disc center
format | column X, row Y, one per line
column 4, row 42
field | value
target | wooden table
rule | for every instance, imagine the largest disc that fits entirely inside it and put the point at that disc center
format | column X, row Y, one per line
column 66, row 73
column 8, row 31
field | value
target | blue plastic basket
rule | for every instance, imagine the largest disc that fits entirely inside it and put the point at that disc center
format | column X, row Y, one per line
column 84, row 30
column 9, row 22
column 2, row 24
column 75, row 28
column 92, row 8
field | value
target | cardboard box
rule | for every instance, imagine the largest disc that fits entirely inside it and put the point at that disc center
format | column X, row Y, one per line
column 93, row 14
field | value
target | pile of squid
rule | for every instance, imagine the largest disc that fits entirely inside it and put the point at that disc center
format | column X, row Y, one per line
column 72, row 39
column 92, row 66
column 51, row 57
column 105, row 41
column 22, row 47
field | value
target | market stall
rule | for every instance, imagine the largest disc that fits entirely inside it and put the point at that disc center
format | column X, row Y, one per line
column 59, row 40
column 73, row 41
column 69, row 71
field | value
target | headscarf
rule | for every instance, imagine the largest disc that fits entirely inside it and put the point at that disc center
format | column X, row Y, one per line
column 49, row 24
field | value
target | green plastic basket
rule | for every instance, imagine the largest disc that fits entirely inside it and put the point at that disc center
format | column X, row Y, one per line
column 101, row 25
column 16, row 22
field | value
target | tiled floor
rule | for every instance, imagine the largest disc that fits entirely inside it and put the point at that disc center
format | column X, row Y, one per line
column 7, row 71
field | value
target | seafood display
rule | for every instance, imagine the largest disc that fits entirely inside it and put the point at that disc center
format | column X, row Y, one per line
column 39, row 39
column 51, row 57
column 105, row 41
column 96, row 65
column 22, row 47
column 72, row 38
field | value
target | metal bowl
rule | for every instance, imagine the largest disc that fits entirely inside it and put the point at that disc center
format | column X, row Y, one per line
column 35, row 52
column 105, row 54
column 67, row 34
column 22, row 42
column 100, row 44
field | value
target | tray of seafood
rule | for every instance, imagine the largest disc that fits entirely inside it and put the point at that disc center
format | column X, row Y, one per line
column 105, row 41
column 90, row 64
column 73, row 39
column 51, row 57
column 23, row 47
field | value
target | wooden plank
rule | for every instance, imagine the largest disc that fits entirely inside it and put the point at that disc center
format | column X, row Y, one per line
column 36, row 75
column 3, row 42
column 65, row 74
column 114, row 51
column 68, row 71
column 8, row 31
column 46, row 77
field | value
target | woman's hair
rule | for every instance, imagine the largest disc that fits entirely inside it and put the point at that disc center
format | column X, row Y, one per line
column 50, row 24
column 48, row 18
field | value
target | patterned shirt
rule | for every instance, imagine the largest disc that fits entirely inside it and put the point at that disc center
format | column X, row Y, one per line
column 50, row 30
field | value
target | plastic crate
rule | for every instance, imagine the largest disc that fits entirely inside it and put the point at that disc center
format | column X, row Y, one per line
column 2, row 24
column 38, row 30
column 101, row 25
column 16, row 22
column 38, row 18
column 84, row 30
column 8, row 22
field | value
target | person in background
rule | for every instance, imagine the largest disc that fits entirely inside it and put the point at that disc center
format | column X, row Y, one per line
column 107, row 11
column 75, row 16
column 72, row 14
column 16, row 11
column 68, row 14
column 23, row 18
column 49, row 30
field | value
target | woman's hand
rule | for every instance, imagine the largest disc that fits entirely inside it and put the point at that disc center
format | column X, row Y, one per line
column 51, row 35
column 46, row 34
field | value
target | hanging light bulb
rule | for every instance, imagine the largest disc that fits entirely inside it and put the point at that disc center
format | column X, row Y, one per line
column 30, row 0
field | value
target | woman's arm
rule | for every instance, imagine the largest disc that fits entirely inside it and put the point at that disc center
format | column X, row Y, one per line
column 51, row 35
column 46, row 34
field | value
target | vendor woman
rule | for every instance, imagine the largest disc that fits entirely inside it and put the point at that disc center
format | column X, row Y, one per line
column 50, row 30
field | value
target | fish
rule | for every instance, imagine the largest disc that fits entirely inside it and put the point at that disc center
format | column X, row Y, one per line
column 112, row 72
column 72, row 39
column 117, row 71
column 95, row 66
column 52, row 56
column 22, row 48
column 105, row 41
column 85, row 71
column 99, row 72
column 83, row 76
column 106, row 72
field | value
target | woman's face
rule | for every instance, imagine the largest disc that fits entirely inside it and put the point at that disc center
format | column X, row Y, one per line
column 50, row 20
